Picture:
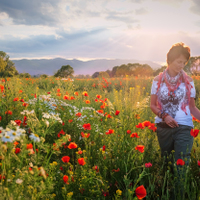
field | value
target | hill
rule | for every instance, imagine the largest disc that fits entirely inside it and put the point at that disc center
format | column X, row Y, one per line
column 50, row 66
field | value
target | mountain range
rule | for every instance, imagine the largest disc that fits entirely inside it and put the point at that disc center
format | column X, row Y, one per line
column 50, row 66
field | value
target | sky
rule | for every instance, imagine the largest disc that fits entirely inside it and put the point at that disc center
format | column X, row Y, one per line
column 96, row 29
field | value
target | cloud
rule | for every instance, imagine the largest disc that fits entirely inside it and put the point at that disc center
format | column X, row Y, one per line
column 44, row 45
column 196, row 7
column 35, row 12
column 141, row 11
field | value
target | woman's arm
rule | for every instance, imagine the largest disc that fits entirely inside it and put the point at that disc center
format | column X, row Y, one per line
column 193, row 109
column 153, row 105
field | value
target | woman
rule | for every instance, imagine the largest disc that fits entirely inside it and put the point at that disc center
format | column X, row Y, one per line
column 172, row 100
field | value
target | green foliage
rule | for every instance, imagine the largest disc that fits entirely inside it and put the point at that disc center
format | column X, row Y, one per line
column 7, row 68
column 158, row 71
column 190, row 64
column 65, row 71
column 43, row 76
column 95, row 75
column 104, row 74
column 116, row 170
column 131, row 69
column 24, row 75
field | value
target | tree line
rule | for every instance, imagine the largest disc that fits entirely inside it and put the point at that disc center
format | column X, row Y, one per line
column 7, row 69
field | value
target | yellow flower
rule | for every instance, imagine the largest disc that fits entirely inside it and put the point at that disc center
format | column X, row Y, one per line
column 119, row 192
column 69, row 194
column 53, row 195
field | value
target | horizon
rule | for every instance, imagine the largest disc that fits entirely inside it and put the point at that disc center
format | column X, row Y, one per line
column 88, row 59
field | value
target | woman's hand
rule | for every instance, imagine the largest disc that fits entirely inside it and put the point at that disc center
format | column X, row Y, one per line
column 170, row 121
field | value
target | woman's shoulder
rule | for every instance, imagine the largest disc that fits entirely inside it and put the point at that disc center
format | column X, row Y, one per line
column 190, row 78
column 156, row 78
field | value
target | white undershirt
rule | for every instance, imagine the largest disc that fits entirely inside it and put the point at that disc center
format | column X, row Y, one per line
column 172, row 106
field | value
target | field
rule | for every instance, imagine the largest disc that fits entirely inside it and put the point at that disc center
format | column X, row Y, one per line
column 87, row 139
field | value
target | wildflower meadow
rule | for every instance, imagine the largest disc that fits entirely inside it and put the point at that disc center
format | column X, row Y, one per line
column 87, row 139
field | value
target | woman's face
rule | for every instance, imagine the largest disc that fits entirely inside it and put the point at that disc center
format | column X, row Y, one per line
column 177, row 65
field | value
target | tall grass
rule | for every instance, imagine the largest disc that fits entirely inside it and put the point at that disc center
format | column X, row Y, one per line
column 31, row 161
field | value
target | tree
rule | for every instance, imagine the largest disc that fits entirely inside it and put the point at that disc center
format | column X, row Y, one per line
column 7, row 68
column 158, row 71
column 24, row 75
column 43, row 76
column 95, row 75
column 65, row 71
column 104, row 75
column 193, row 66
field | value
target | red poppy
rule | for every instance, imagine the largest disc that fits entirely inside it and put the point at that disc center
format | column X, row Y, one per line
column 29, row 146
column 104, row 147
column 17, row 150
column 81, row 161
column 48, row 92
column 65, row 179
column 78, row 114
column 134, row 135
column 62, row 132
column 8, row 112
column 16, row 99
column 152, row 127
column 110, row 131
column 140, row 192
column 25, row 104
column 100, row 111
column 0, row 118
column 58, row 90
column 128, row 131
column 80, row 152
column 70, row 120
column 87, row 126
column 15, row 143
column 66, row 97
column 140, row 148
column 86, row 135
column 180, row 162
column 1, row 88
column 98, row 96
column 2, row 177
column 65, row 159
column 18, row 122
column 72, row 145
column 61, row 168
column 148, row 165
column 87, row 101
column 109, row 116
column 76, row 93
column 22, row 100
column 72, row 98
column 146, row 123
column 85, row 94
column 105, row 194
column 117, row 112
column 194, row 132
column 140, row 125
